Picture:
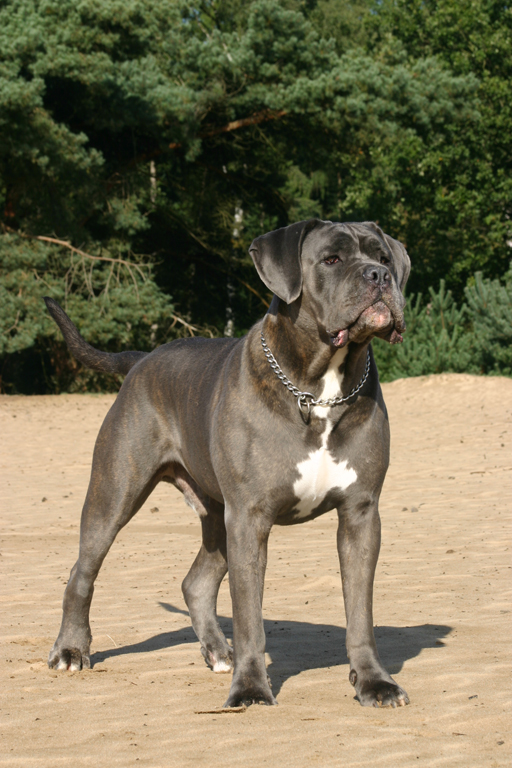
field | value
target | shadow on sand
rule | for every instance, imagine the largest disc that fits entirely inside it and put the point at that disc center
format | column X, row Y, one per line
column 320, row 645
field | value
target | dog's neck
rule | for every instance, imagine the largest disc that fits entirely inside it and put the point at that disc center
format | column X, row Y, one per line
column 306, row 353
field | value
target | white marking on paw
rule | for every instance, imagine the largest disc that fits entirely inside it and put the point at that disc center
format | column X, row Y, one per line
column 222, row 666
column 61, row 665
column 332, row 380
column 319, row 474
column 74, row 668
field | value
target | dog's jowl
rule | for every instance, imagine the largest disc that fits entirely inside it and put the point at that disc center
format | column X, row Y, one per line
column 277, row 427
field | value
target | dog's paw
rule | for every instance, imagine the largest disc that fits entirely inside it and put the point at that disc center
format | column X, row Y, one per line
column 376, row 692
column 239, row 697
column 219, row 661
column 69, row 659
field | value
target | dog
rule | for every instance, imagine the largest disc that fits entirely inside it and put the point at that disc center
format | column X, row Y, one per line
column 276, row 427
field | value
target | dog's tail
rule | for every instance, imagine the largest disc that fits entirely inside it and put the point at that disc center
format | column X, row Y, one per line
column 106, row 362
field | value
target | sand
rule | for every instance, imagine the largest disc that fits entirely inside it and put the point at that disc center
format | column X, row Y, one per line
column 442, row 606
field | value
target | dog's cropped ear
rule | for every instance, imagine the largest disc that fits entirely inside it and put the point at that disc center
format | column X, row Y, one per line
column 401, row 259
column 276, row 257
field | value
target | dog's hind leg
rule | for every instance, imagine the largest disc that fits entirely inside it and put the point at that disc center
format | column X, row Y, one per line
column 201, row 586
column 123, row 475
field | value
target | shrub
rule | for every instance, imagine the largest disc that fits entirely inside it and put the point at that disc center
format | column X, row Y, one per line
column 442, row 337
column 115, row 304
column 490, row 309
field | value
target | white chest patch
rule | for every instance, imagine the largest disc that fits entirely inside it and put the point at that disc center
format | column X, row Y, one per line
column 319, row 473
column 332, row 382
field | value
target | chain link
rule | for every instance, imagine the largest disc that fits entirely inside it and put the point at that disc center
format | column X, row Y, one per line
column 305, row 400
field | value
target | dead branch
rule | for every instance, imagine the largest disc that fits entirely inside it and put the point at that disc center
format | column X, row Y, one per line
column 190, row 328
column 15, row 326
column 65, row 244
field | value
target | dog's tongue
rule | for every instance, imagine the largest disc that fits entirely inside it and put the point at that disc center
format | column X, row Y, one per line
column 341, row 338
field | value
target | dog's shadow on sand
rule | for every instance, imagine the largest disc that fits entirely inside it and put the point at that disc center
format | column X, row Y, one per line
column 296, row 646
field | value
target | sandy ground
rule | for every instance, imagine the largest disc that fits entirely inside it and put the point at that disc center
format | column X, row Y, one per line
column 442, row 606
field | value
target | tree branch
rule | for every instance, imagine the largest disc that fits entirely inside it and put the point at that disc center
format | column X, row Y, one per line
column 65, row 244
column 221, row 254
column 190, row 328
column 234, row 125
column 258, row 117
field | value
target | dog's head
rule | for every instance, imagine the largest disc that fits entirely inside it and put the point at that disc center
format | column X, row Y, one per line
column 351, row 276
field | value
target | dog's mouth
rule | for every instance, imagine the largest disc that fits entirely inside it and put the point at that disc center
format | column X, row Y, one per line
column 376, row 320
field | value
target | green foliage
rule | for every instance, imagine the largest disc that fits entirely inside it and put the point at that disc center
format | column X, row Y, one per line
column 169, row 134
column 435, row 340
column 115, row 304
column 490, row 308
column 442, row 337
column 453, row 206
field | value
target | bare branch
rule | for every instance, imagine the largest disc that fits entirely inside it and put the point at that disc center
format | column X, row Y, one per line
column 190, row 328
column 13, row 327
column 65, row 244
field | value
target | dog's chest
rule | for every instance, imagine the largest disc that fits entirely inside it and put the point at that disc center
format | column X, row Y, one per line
column 323, row 471
column 320, row 474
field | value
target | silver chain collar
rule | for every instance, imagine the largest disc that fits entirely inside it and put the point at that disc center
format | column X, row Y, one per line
column 305, row 400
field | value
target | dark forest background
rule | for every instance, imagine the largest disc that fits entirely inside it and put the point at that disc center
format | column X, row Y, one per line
column 145, row 143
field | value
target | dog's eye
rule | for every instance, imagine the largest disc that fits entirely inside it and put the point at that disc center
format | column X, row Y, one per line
column 331, row 260
column 384, row 260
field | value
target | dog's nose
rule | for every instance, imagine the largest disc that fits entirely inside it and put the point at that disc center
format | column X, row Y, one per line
column 377, row 274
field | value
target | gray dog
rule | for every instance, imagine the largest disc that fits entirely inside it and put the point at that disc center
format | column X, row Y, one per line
column 277, row 427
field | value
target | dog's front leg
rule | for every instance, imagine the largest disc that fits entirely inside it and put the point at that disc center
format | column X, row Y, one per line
column 247, row 537
column 358, row 549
